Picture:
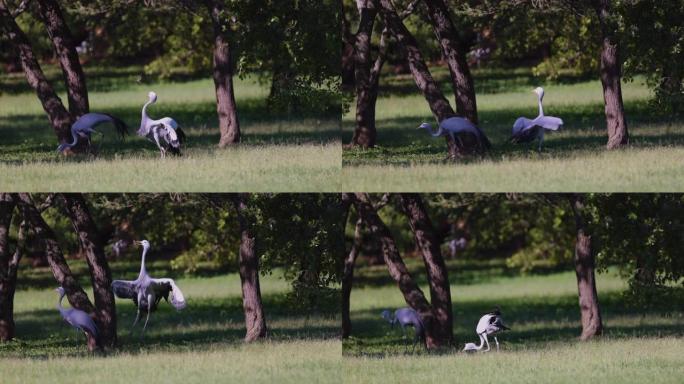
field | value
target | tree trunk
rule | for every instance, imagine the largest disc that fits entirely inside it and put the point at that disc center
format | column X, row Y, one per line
column 226, row 107
column 60, row 269
column 8, row 270
column 365, row 133
column 65, row 48
column 426, row 240
column 584, row 269
column 455, row 56
column 59, row 117
column 347, row 51
column 89, row 239
column 421, row 74
column 610, row 77
column 348, row 279
column 397, row 269
column 249, row 276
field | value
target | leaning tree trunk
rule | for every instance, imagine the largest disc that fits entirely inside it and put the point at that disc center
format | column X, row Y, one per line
column 397, row 269
column 421, row 74
column 455, row 56
column 229, row 125
column 426, row 240
column 365, row 133
column 59, row 117
column 584, row 269
column 60, row 269
column 255, row 321
column 8, row 270
column 89, row 239
column 63, row 42
column 610, row 77
column 348, row 279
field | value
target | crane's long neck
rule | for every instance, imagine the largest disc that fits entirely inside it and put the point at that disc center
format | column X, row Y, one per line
column 59, row 302
column 541, row 109
column 144, row 118
column 143, row 271
column 75, row 137
column 481, row 343
column 439, row 132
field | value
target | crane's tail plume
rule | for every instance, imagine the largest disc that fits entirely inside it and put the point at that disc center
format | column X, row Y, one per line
column 181, row 135
column 120, row 125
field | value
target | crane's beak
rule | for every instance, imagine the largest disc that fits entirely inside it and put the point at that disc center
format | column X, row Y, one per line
column 136, row 242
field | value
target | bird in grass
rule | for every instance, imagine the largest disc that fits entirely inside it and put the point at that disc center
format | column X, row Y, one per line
column 146, row 292
column 456, row 126
column 527, row 130
column 164, row 132
column 84, row 127
column 406, row 317
column 490, row 324
column 75, row 317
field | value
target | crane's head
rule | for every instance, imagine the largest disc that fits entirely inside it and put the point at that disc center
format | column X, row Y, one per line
column 152, row 96
column 539, row 91
column 425, row 126
column 143, row 243
column 387, row 315
column 60, row 290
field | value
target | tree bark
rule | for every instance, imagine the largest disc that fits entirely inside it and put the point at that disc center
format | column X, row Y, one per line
column 618, row 135
column 101, row 276
column 455, row 55
column 584, row 270
column 59, row 117
column 229, row 125
column 255, row 321
column 421, row 74
column 427, row 242
column 8, row 270
column 347, row 51
column 348, row 279
column 60, row 269
column 63, row 42
column 365, row 133
column 397, row 269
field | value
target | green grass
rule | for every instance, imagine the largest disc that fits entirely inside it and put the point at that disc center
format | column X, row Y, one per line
column 542, row 311
column 279, row 153
column 573, row 159
column 202, row 343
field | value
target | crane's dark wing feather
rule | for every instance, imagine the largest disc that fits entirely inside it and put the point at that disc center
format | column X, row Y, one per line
column 181, row 135
column 120, row 125
column 124, row 289
column 164, row 287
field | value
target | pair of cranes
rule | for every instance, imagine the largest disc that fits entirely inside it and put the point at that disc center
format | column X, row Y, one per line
column 490, row 324
column 145, row 291
column 524, row 130
column 165, row 132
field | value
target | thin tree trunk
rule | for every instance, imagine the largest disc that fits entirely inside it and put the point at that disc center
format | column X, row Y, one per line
column 59, row 117
column 101, row 276
column 426, row 240
column 455, row 55
column 8, row 270
column 397, row 269
column 229, row 125
column 255, row 321
column 60, row 269
column 365, row 133
column 610, row 77
column 347, row 51
column 421, row 74
column 348, row 279
column 584, row 270
column 63, row 42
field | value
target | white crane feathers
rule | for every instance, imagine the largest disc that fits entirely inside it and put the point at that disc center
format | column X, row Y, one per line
column 164, row 132
column 526, row 130
column 455, row 126
column 489, row 324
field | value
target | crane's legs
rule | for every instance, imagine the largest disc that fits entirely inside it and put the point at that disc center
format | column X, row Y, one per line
column 486, row 342
column 149, row 309
column 497, row 343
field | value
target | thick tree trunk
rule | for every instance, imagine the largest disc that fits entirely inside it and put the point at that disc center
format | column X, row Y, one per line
column 101, row 276
column 584, row 269
column 348, row 279
column 60, row 269
column 59, row 117
column 8, row 270
column 455, row 56
column 229, row 125
column 365, row 133
column 397, row 269
column 610, row 77
column 426, row 240
column 255, row 322
column 421, row 74
column 63, row 42
column 347, row 51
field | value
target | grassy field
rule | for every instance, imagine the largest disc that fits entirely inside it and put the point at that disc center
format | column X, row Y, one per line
column 573, row 158
column 278, row 153
column 202, row 343
column 542, row 346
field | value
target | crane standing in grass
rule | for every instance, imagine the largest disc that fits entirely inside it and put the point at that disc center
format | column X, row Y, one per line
column 456, row 126
column 84, row 127
column 146, row 292
column 490, row 324
column 527, row 130
column 164, row 132
column 75, row 317
column 406, row 317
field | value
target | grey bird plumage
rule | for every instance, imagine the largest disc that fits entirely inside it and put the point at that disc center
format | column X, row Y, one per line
column 85, row 126
column 527, row 130
column 490, row 324
column 406, row 317
column 75, row 317
column 165, row 132
column 456, row 126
